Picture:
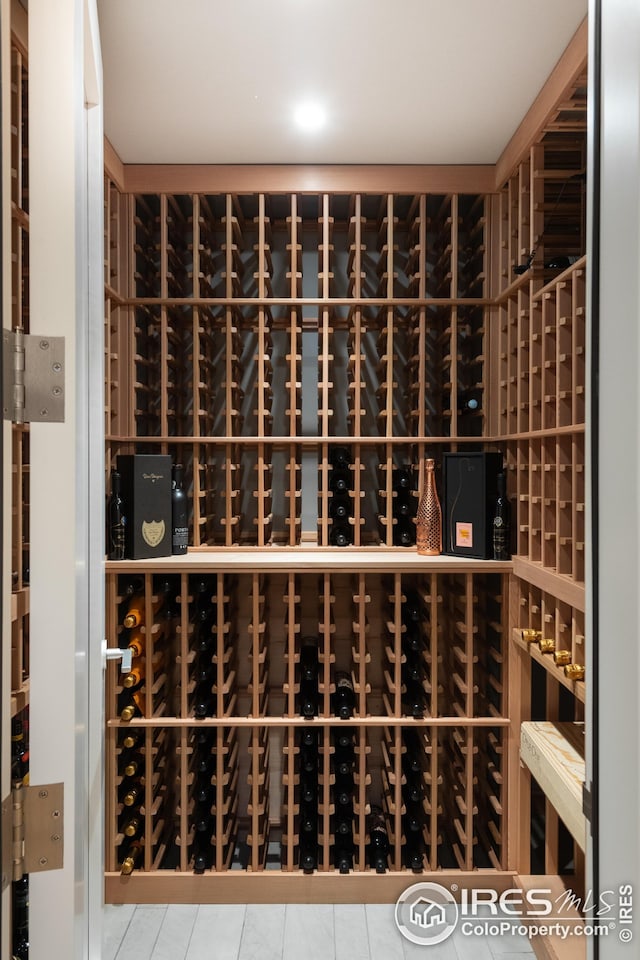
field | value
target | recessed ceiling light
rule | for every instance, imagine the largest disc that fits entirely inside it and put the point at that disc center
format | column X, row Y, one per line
column 310, row 116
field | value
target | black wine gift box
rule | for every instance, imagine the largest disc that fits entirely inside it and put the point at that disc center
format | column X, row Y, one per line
column 146, row 496
column 469, row 482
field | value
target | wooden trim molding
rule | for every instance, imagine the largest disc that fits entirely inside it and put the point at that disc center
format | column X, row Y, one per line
column 284, row 178
column 568, row 68
column 113, row 166
column 19, row 26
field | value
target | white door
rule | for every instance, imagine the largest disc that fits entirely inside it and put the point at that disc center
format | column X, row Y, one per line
column 66, row 477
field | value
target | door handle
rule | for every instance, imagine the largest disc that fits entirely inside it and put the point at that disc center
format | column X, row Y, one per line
column 116, row 653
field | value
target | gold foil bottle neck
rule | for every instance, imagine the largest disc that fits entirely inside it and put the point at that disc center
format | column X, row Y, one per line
column 547, row 645
column 574, row 671
column 562, row 657
column 530, row 636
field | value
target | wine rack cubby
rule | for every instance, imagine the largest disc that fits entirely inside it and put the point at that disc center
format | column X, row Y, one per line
column 217, row 730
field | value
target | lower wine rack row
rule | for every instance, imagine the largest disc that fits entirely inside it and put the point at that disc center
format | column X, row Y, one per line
column 337, row 798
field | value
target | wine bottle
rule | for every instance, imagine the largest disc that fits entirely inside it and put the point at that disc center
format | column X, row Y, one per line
column 344, row 698
column 133, row 826
column 309, row 677
column 202, row 850
column 308, row 854
column 560, row 262
column 20, row 946
column 414, row 699
column 115, row 519
column 308, row 759
column 136, row 676
column 137, row 641
column 309, row 788
column 501, row 522
column 404, row 532
column 343, row 853
column 131, row 704
column 429, row 515
column 130, row 793
column 134, row 616
column 413, row 669
column 131, row 764
column 412, row 640
column 340, row 458
column 413, row 758
column 402, row 482
column 133, row 852
column 344, row 755
column 414, row 843
column 378, row 848
column 339, row 507
column 341, row 535
column 179, row 521
column 131, row 741
column 202, row 639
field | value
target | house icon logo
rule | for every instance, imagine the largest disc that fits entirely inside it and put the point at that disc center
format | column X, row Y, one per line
column 426, row 913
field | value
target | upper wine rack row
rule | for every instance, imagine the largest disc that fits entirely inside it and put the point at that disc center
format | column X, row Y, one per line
column 281, row 247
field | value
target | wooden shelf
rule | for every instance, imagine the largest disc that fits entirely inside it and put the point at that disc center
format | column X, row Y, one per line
column 554, row 753
column 577, row 687
column 303, row 559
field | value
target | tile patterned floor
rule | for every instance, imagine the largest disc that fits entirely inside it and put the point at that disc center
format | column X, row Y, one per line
column 283, row 932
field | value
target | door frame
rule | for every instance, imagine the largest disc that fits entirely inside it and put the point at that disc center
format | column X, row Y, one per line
column 66, row 290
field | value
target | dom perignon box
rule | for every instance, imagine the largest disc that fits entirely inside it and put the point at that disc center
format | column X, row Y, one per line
column 469, row 496
column 146, row 495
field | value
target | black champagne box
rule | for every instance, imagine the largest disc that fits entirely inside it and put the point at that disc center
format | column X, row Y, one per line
column 146, row 495
column 469, row 497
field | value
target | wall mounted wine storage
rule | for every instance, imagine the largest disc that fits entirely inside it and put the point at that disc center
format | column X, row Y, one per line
column 272, row 342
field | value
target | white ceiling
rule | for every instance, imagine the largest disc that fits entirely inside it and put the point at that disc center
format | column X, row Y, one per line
column 402, row 81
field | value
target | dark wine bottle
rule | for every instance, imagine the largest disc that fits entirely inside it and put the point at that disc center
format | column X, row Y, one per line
column 179, row 521
column 402, row 482
column 308, row 759
column 308, row 851
column 378, row 840
column 414, row 668
column 309, row 788
column 202, row 851
column 341, row 535
column 339, row 507
column 343, row 853
column 130, row 792
column 404, row 532
column 115, row 519
column 309, row 677
column 344, row 698
column 130, row 853
column 340, row 458
column 414, row 699
column 339, row 483
column 501, row 522
column 560, row 262
column 133, row 826
column 414, row 843
column 20, row 948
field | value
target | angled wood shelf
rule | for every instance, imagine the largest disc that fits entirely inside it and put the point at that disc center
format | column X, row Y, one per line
column 554, row 753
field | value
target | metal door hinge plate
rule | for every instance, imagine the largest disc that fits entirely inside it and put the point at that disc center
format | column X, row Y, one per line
column 34, row 826
column 32, row 377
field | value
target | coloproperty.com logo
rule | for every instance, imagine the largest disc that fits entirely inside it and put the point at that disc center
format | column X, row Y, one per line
column 428, row 913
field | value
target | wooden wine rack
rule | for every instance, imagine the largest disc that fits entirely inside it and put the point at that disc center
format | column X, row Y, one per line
column 251, row 330
column 19, row 319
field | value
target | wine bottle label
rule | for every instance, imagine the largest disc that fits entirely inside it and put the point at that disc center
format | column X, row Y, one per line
column 464, row 535
column 116, row 533
column 179, row 539
column 153, row 532
column 344, row 682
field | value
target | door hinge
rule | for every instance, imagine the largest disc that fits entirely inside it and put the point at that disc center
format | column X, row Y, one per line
column 32, row 830
column 32, row 377
column 589, row 803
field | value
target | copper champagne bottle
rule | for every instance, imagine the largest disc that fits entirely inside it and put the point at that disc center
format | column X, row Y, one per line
column 429, row 515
